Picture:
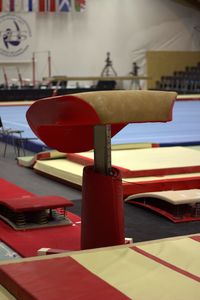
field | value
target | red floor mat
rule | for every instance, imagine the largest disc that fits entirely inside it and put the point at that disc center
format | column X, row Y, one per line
column 9, row 190
column 61, row 278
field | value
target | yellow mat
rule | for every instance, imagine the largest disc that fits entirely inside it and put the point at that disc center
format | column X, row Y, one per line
column 153, row 158
column 133, row 159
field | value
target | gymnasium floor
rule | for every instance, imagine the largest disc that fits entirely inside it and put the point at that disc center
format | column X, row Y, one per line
column 140, row 224
column 115, row 272
column 169, row 261
column 183, row 130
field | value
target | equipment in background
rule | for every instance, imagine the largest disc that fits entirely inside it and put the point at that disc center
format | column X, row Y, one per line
column 108, row 67
column 135, row 83
column 34, row 64
column 5, row 78
column 107, row 71
column 35, row 212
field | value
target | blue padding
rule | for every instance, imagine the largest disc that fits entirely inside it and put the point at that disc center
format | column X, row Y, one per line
column 184, row 130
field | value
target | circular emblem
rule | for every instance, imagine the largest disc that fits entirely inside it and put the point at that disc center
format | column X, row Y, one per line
column 15, row 34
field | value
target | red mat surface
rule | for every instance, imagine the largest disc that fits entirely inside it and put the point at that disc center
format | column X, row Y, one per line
column 9, row 190
column 27, row 242
column 55, row 280
column 130, row 272
column 35, row 203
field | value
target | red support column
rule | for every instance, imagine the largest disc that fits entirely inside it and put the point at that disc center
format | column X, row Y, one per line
column 102, row 220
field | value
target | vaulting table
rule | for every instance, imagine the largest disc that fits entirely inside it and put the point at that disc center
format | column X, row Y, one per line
column 81, row 122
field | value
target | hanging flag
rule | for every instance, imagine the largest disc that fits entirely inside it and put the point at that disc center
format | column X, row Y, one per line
column 16, row 6
column 79, row 5
column 41, row 5
column 9, row 5
column 30, row 5
column 52, row 5
column 47, row 5
column 5, row 5
column 12, row 5
column 64, row 5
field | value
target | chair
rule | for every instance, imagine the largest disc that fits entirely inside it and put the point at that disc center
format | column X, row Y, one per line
column 11, row 136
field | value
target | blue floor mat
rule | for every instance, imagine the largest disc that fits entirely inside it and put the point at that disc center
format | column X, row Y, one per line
column 184, row 129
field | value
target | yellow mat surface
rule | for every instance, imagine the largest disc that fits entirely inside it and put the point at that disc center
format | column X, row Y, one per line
column 132, row 159
column 153, row 158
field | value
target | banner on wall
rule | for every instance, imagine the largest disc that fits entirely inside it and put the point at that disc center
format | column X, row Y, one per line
column 17, row 33
column 42, row 6
column 64, row 5
column 80, row 5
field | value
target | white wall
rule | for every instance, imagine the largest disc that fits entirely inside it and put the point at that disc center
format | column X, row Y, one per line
column 78, row 42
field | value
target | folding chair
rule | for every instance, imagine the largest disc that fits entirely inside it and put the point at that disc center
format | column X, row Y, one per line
column 10, row 136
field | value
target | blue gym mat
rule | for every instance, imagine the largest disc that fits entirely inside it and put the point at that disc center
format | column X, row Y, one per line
column 183, row 130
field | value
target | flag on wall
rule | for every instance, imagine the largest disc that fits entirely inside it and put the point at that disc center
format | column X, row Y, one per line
column 52, row 5
column 30, row 5
column 41, row 5
column 79, row 5
column 10, row 5
column 64, row 5
column 5, row 4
